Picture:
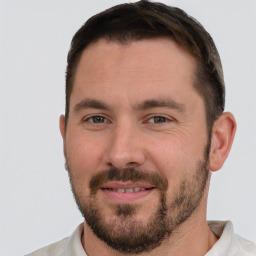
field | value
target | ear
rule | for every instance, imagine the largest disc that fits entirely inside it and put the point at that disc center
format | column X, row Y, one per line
column 223, row 134
column 63, row 132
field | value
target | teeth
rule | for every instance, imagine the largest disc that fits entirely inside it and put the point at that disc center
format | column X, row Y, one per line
column 126, row 190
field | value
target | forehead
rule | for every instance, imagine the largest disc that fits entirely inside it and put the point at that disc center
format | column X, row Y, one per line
column 143, row 68
column 136, row 55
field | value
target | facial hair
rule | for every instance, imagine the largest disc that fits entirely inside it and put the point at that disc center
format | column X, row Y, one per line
column 123, row 232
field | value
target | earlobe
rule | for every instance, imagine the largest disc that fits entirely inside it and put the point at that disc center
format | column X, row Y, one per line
column 223, row 134
column 62, row 126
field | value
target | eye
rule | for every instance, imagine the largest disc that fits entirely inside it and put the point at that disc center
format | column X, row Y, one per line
column 97, row 119
column 158, row 119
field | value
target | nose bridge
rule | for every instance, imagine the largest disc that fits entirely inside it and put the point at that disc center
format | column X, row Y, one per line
column 125, row 146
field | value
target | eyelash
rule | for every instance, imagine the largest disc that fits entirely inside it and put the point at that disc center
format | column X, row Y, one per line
column 159, row 117
column 156, row 119
column 93, row 119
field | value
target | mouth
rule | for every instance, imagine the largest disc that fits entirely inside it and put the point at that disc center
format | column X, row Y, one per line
column 126, row 192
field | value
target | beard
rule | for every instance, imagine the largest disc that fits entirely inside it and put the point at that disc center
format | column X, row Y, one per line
column 122, row 231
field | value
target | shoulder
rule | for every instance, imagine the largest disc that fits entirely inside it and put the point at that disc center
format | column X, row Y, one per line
column 229, row 243
column 56, row 249
column 68, row 246
column 246, row 246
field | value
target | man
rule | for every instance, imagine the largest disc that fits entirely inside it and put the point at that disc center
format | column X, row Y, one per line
column 143, row 130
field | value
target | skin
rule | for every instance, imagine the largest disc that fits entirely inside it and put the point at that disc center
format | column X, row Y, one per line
column 123, row 77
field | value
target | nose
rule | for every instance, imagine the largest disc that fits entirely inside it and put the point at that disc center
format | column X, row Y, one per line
column 126, row 147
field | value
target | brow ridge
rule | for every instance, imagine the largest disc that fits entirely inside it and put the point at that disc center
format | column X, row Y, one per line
column 91, row 103
column 154, row 103
column 145, row 105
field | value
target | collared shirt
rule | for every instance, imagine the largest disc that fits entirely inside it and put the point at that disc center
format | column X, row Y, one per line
column 229, row 244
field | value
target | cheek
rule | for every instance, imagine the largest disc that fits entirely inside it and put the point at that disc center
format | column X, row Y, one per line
column 175, row 158
column 84, row 155
column 171, row 151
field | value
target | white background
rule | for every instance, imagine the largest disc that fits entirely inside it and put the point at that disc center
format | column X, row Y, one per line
column 36, row 205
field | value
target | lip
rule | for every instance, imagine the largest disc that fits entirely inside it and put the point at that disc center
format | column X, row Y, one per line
column 126, row 185
column 110, row 191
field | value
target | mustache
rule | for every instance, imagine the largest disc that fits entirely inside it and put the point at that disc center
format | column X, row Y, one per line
column 156, row 179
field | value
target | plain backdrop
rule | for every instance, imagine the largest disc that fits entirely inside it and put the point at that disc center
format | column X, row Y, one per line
column 36, row 204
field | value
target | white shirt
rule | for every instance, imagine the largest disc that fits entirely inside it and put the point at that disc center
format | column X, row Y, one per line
column 229, row 244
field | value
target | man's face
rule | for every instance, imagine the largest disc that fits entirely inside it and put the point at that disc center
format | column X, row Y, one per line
column 136, row 142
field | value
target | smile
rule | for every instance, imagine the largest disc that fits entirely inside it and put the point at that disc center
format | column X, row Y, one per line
column 127, row 190
column 119, row 192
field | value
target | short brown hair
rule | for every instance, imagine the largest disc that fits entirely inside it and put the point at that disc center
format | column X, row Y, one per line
column 129, row 22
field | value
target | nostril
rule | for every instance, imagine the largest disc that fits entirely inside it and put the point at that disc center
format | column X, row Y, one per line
column 127, row 165
column 132, row 164
column 124, row 154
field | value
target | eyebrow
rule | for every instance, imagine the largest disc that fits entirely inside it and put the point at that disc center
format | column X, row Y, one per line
column 145, row 105
column 154, row 103
column 90, row 103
